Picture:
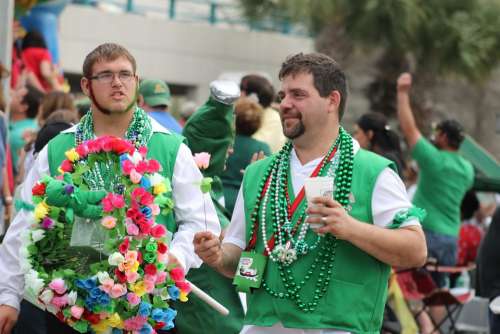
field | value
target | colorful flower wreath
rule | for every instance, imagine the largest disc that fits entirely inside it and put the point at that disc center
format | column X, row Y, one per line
column 124, row 282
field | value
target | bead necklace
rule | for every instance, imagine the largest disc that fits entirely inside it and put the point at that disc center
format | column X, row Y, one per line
column 324, row 261
column 104, row 174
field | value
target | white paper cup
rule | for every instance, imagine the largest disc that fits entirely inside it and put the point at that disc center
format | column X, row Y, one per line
column 320, row 186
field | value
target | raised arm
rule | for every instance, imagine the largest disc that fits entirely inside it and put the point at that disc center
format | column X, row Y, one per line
column 405, row 114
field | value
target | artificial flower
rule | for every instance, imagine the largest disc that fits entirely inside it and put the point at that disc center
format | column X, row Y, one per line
column 82, row 150
column 116, row 259
column 118, row 290
column 112, row 202
column 72, row 297
column 108, row 222
column 46, row 296
column 60, row 301
column 132, row 229
column 66, row 166
column 159, row 188
column 135, row 176
column 58, row 285
column 37, row 235
column 158, row 231
column 39, row 189
column 72, row 155
column 76, row 311
column 177, row 274
column 41, row 210
column 133, row 299
column 202, row 160
column 102, row 276
column 47, row 223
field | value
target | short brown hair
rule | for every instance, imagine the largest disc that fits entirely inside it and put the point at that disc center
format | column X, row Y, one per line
column 106, row 52
column 54, row 101
column 248, row 116
column 326, row 72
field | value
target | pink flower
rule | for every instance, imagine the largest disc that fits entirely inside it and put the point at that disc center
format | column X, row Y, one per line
column 177, row 274
column 58, row 285
column 135, row 177
column 112, row 201
column 155, row 209
column 106, row 143
column 161, row 277
column 118, row 290
column 76, row 311
column 163, row 258
column 60, row 302
column 132, row 276
column 133, row 299
column 202, row 160
column 143, row 150
column 134, row 323
column 93, row 146
column 107, row 285
column 127, row 167
column 108, row 222
column 149, row 286
column 132, row 229
column 82, row 150
column 47, row 223
column 158, row 231
column 67, row 166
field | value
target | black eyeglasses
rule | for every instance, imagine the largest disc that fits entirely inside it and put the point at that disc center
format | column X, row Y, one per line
column 108, row 77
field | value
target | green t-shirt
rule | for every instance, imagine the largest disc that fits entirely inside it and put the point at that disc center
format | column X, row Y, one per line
column 16, row 139
column 443, row 179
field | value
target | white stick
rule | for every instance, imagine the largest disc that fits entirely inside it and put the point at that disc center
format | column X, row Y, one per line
column 209, row 300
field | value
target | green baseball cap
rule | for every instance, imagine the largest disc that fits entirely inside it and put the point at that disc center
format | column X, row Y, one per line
column 155, row 92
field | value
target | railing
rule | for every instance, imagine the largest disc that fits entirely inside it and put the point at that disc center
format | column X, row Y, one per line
column 220, row 13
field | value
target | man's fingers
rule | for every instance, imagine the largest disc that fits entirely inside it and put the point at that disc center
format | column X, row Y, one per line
column 201, row 236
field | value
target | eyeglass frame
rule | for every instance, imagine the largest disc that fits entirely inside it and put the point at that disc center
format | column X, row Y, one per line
column 114, row 74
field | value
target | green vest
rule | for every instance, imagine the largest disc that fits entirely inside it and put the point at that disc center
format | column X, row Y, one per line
column 357, row 291
column 162, row 147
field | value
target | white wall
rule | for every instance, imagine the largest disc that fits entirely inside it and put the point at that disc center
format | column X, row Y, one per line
column 180, row 53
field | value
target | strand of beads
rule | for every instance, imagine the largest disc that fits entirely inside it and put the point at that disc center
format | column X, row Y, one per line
column 324, row 261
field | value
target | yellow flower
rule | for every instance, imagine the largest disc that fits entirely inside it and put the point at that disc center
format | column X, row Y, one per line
column 183, row 297
column 139, row 288
column 72, row 155
column 102, row 327
column 115, row 321
column 159, row 188
column 41, row 210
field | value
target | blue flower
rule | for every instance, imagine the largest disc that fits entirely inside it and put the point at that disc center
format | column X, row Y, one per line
column 86, row 284
column 174, row 292
column 146, row 329
column 145, row 183
column 97, row 297
column 116, row 331
column 123, row 157
column 166, row 315
column 144, row 309
column 147, row 211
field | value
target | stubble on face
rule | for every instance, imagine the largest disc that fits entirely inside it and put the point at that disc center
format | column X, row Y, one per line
column 296, row 131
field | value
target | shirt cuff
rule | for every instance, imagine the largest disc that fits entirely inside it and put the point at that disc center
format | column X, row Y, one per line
column 234, row 241
column 10, row 300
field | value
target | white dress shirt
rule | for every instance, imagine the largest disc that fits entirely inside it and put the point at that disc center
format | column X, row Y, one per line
column 388, row 198
column 193, row 212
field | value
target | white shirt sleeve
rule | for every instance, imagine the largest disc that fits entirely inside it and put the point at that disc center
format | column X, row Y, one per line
column 235, row 232
column 389, row 197
column 194, row 211
column 11, row 274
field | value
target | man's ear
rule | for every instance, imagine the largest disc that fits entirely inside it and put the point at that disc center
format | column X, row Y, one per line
column 84, row 84
column 369, row 134
column 334, row 101
column 140, row 101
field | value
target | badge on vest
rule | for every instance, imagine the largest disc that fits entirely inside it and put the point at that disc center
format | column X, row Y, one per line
column 250, row 271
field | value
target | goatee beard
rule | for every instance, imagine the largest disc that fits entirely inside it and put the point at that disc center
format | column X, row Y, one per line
column 296, row 132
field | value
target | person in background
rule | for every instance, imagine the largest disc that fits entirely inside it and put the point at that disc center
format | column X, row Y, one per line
column 444, row 178
column 37, row 61
column 154, row 98
column 271, row 131
column 6, row 196
column 187, row 110
column 23, row 112
column 374, row 134
column 245, row 149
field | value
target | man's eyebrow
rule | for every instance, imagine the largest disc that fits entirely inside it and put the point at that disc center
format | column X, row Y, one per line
column 104, row 72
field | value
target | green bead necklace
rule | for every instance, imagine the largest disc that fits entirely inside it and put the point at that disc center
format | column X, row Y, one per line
column 104, row 175
column 324, row 261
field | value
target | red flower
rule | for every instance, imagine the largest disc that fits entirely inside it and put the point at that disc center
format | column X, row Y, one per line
column 183, row 286
column 159, row 325
column 82, row 150
column 153, row 166
column 67, row 166
column 145, row 225
column 142, row 167
column 127, row 167
column 150, row 269
column 123, row 248
column 162, row 248
column 177, row 274
column 120, row 276
column 121, row 146
column 38, row 189
column 139, row 257
column 158, row 231
column 91, row 317
column 94, row 146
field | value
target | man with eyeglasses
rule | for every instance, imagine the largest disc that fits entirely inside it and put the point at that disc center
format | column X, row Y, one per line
column 110, row 81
